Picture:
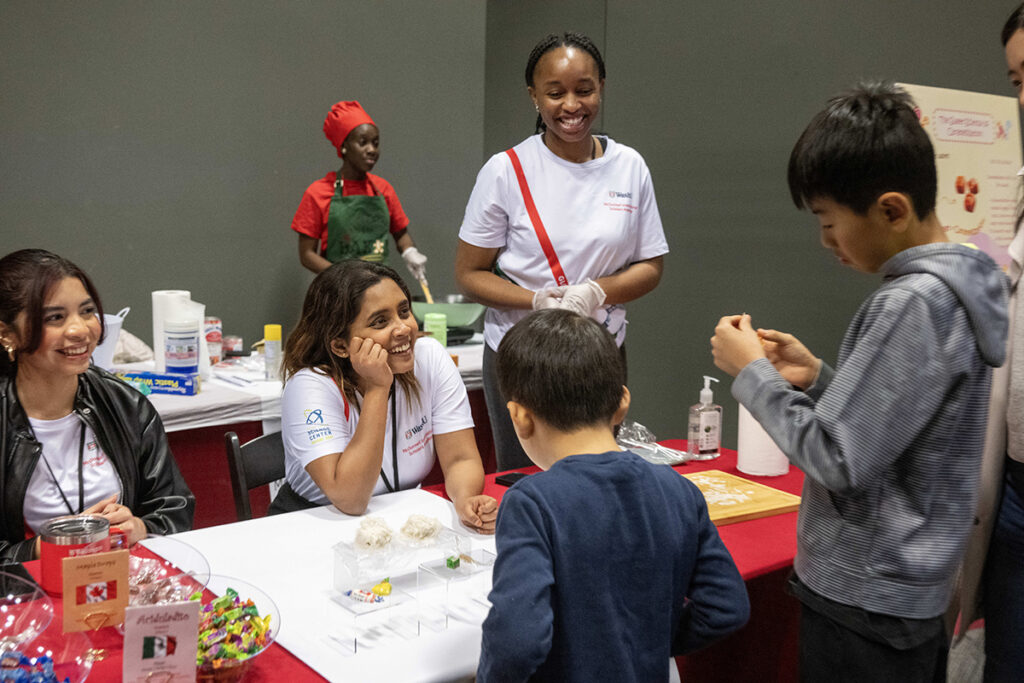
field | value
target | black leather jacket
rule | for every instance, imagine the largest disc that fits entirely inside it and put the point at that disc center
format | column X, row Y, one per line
column 131, row 434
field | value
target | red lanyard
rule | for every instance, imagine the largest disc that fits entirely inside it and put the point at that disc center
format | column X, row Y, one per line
column 538, row 225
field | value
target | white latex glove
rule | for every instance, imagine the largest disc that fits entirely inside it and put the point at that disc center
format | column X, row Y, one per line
column 416, row 263
column 583, row 298
column 548, row 298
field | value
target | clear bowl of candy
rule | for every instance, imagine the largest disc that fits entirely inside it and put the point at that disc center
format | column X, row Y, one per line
column 53, row 657
column 25, row 611
column 237, row 622
column 162, row 569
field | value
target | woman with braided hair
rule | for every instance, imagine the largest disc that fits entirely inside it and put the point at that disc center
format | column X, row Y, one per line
column 565, row 219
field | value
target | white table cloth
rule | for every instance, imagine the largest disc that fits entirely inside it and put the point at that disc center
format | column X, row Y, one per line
column 290, row 557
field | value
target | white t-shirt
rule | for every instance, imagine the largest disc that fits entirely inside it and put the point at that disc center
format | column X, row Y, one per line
column 60, row 439
column 600, row 216
column 316, row 421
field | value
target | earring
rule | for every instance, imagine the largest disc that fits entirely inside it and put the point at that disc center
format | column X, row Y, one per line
column 10, row 350
column 536, row 108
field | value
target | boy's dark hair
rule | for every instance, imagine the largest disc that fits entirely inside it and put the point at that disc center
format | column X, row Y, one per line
column 1013, row 24
column 549, row 43
column 563, row 367
column 866, row 142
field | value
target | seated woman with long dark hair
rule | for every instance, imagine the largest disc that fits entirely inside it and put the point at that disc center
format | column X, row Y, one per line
column 73, row 438
column 368, row 403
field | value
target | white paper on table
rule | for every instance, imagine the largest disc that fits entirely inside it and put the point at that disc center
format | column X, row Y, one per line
column 290, row 557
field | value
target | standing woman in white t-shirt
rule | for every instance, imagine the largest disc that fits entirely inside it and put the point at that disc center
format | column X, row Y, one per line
column 367, row 403
column 73, row 438
column 565, row 219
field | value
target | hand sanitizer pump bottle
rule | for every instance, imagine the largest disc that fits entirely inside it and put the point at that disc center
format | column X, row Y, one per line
column 704, row 431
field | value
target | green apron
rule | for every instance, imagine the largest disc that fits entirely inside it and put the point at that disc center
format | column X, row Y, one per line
column 358, row 226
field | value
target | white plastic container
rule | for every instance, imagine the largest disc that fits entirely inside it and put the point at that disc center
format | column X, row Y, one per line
column 181, row 346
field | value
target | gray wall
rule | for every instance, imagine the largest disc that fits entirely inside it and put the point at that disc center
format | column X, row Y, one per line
column 714, row 95
column 167, row 145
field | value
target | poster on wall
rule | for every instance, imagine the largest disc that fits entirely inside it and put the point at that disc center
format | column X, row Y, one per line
column 977, row 144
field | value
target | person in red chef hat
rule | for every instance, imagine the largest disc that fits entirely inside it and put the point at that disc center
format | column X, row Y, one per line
column 349, row 214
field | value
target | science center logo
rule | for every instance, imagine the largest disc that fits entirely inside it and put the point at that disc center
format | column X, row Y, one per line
column 314, row 417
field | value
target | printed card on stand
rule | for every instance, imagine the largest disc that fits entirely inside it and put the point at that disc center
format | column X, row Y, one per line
column 95, row 590
column 160, row 642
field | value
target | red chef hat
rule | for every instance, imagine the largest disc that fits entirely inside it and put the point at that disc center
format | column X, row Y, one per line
column 342, row 119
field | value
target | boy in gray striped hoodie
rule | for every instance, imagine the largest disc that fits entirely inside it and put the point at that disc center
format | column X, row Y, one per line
column 890, row 440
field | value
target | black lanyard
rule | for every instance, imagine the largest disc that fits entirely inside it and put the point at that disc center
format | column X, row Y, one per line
column 394, row 446
column 81, row 476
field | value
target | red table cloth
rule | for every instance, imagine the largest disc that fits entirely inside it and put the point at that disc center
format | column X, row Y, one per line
column 764, row 650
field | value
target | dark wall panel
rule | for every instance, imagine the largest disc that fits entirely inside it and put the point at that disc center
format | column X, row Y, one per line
column 714, row 95
column 167, row 145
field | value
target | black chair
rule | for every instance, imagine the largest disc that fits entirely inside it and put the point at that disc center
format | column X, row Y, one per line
column 253, row 464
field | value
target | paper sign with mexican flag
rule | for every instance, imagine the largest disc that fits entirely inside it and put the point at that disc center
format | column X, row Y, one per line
column 158, row 646
column 160, row 642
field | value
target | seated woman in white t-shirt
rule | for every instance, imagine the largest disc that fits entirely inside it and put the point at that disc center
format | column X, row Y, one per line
column 367, row 403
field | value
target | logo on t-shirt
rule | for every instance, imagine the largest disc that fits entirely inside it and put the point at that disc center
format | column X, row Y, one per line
column 97, row 458
column 409, row 433
column 314, row 417
column 318, row 434
column 621, row 202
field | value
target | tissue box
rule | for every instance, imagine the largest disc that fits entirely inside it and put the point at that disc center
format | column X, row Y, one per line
column 164, row 382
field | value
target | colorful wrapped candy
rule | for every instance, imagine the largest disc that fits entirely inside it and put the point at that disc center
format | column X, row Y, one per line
column 230, row 630
column 17, row 668
column 383, row 588
column 364, row 596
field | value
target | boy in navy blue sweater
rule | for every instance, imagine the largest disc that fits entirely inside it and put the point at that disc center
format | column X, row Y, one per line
column 607, row 565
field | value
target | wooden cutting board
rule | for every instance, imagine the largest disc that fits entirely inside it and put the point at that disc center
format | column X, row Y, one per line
column 734, row 499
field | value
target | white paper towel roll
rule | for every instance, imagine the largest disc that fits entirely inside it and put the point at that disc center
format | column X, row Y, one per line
column 177, row 304
column 757, row 453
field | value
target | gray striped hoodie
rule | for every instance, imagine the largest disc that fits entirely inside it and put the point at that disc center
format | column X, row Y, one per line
column 890, row 441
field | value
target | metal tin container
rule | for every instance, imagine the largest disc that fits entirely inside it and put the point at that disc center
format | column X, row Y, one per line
column 69, row 536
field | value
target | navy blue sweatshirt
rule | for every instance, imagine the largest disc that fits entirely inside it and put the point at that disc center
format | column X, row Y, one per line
column 607, row 566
